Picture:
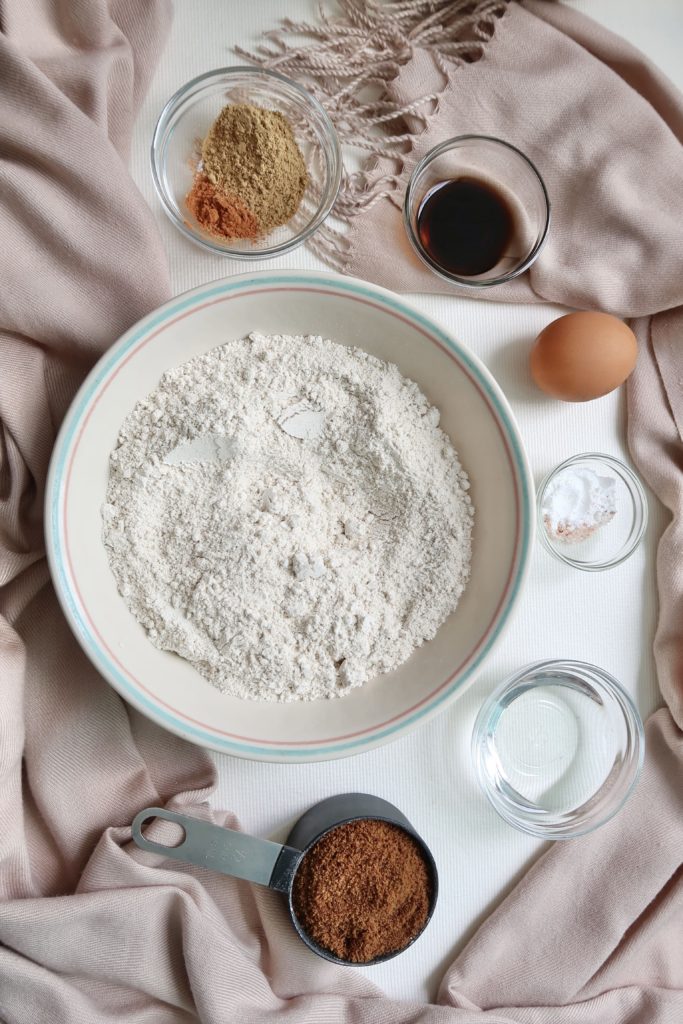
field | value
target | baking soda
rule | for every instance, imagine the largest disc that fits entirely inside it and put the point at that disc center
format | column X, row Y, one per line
column 576, row 503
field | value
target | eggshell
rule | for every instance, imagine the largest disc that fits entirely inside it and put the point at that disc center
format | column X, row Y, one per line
column 582, row 356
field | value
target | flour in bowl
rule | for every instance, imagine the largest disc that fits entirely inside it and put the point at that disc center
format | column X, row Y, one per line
column 286, row 514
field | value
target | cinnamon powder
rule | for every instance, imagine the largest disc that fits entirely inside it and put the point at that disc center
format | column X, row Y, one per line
column 218, row 213
column 363, row 890
column 252, row 177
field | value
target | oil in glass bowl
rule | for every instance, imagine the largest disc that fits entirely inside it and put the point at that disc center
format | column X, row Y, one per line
column 558, row 748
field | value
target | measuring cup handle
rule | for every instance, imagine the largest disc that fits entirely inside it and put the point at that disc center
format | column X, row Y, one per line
column 222, row 849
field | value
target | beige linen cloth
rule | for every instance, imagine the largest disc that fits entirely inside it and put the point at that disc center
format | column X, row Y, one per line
column 93, row 931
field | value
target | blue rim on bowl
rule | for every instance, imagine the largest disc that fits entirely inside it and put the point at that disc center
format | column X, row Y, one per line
column 272, row 90
column 119, row 358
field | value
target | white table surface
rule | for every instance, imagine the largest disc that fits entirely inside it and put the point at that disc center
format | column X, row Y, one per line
column 607, row 618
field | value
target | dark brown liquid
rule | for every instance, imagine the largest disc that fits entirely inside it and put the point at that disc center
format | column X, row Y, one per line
column 465, row 226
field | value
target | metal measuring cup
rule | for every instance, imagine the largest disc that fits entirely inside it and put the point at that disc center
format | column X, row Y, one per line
column 274, row 865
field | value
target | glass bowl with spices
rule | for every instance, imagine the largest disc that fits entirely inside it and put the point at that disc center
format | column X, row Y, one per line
column 246, row 162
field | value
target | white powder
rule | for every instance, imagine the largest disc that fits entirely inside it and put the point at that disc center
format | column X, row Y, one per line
column 577, row 503
column 286, row 514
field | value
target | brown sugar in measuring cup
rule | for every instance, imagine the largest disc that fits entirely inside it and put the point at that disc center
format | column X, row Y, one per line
column 361, row 884
column 363, row 890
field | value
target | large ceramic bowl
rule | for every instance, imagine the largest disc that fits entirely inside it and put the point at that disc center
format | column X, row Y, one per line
column 474, row 413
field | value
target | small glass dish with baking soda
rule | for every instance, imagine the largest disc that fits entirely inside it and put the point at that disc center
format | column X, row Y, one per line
column 246, row 162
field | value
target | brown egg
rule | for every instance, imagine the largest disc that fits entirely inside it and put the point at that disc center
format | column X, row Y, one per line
column 583, row 356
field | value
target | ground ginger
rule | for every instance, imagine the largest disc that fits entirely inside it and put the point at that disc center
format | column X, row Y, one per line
column 253, row 175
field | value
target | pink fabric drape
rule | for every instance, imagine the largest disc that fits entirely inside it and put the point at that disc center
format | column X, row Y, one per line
column 92, row 930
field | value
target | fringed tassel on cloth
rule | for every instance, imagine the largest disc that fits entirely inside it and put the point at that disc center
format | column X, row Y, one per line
column 348, row 65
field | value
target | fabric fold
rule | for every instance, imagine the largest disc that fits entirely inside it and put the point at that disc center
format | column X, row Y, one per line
column 95, row 931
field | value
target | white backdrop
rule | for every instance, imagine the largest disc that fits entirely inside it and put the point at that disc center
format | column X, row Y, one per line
column 607, row 618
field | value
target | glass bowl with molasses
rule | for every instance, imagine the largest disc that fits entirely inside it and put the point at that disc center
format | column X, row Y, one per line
column 476, row 211
column 246, row 162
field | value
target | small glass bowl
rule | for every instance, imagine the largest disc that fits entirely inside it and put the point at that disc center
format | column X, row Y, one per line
column 187, row 117
column 614, row 541
column 505, row 168
column 558, row 748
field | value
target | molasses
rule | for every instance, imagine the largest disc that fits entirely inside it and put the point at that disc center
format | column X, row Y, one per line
column 465, row 226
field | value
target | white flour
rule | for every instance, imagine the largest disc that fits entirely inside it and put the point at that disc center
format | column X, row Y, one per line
column 286, row 514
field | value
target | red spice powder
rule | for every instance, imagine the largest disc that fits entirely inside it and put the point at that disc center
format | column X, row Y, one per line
column 218, row 213
column 363, row 890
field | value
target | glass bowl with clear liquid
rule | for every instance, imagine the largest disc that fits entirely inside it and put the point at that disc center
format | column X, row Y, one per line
column 558, row 748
